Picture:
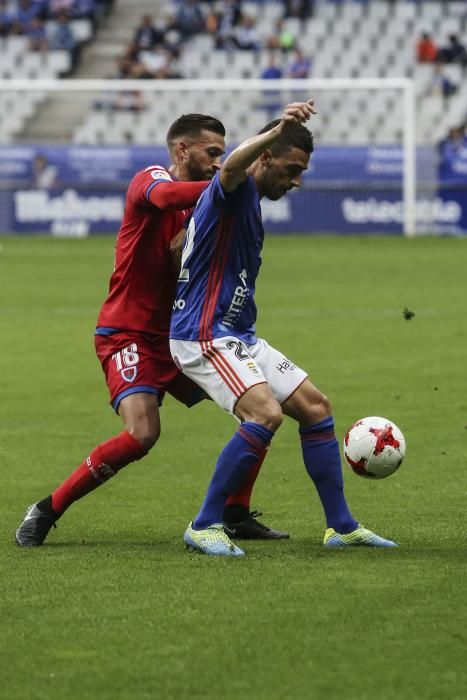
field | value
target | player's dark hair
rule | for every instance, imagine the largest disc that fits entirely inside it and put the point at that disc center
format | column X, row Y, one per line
column 294, row 136
column 192, row 125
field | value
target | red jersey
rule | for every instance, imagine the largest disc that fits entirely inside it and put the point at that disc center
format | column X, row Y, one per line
column 142, row 286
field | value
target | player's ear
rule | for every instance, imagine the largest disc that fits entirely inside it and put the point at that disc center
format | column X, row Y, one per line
column 266, row 158
column 182, row 149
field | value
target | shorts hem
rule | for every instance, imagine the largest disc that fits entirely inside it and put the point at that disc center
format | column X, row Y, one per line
column 263, row 381
column 294, row 390
column 115, row 403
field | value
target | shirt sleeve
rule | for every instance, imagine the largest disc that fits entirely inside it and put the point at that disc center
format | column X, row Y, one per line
column 228, row 201
column 176, row 195
column 144, row 181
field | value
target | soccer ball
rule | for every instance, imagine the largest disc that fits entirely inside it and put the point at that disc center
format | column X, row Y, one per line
column 374, row 447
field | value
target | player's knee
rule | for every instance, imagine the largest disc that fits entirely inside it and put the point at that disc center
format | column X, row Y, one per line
column 320, row 408
column 147, row 435
column 270, row 415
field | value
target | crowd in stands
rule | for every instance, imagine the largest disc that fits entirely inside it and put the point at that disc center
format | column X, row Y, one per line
column 429, row 52
column 157, row 45
column 453, row 53
column 48, row 24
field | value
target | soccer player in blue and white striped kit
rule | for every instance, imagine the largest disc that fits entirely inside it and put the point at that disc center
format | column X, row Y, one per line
column 213, row 335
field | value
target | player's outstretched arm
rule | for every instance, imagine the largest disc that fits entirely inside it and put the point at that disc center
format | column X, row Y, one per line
column 234, row 168
column 176, row 195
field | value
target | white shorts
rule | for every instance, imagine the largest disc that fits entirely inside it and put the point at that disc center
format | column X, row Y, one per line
column 226, row 368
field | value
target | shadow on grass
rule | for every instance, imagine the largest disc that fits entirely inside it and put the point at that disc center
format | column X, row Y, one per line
column 168, row 547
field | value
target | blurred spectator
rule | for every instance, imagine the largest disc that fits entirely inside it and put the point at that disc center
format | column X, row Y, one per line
column 62, row 38
column 85, row 9
column 272, row 70
column 147, row 35
column 298, row 8
column 129, row 100
column 37, row 36
column 427, row 50
column 212, row 23
column 441, row 84
column 227, row 19
column 157, row 64
column 127, row 65
column 16, row 28
column 58, row 6
column 4, row 28
column 123, row 101
column 17, row 16
column 245, row 35
column 189, row 19
column 45, row 175
column 5, row 19
column 26, row 12
column 271, row 101
column 454, row 52
column 455, row 140
column 43, row 8
column 282, row 39
column 300, row 66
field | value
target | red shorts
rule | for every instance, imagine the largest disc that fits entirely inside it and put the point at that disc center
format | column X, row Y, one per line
column 138, row 362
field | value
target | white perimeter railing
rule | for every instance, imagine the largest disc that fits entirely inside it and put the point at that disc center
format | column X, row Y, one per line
column 404, row 85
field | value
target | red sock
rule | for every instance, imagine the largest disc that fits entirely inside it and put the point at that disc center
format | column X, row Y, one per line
column 243, row 495
column 103, row 463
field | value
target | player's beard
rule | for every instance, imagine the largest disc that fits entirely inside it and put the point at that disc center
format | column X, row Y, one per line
column 273, row 192
column 270, row 188
column 196, row 172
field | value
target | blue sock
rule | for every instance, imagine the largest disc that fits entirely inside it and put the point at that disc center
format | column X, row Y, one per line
column 232, row 468
column 323, row 463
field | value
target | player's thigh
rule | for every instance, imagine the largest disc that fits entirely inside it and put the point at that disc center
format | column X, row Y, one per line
column 259, row 405
column 283, row 376
column 223, row 368
column 307, row 405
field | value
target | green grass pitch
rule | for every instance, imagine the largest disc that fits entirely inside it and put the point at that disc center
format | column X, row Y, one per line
column 114, row 608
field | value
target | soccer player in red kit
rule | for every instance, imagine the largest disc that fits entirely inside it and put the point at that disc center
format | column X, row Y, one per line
column 132, row 334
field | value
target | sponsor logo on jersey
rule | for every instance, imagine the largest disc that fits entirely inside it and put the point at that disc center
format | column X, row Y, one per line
column 238, row 301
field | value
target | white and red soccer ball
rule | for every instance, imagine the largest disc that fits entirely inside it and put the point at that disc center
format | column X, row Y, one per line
column 374, row 447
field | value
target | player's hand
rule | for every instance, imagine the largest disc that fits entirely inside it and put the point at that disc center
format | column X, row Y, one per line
column 298, row 112
column 176, row 248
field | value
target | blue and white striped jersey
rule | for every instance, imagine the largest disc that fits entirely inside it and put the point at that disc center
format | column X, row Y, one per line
column 220, row 263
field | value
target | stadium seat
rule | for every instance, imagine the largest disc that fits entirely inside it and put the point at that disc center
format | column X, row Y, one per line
column 344, row 39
